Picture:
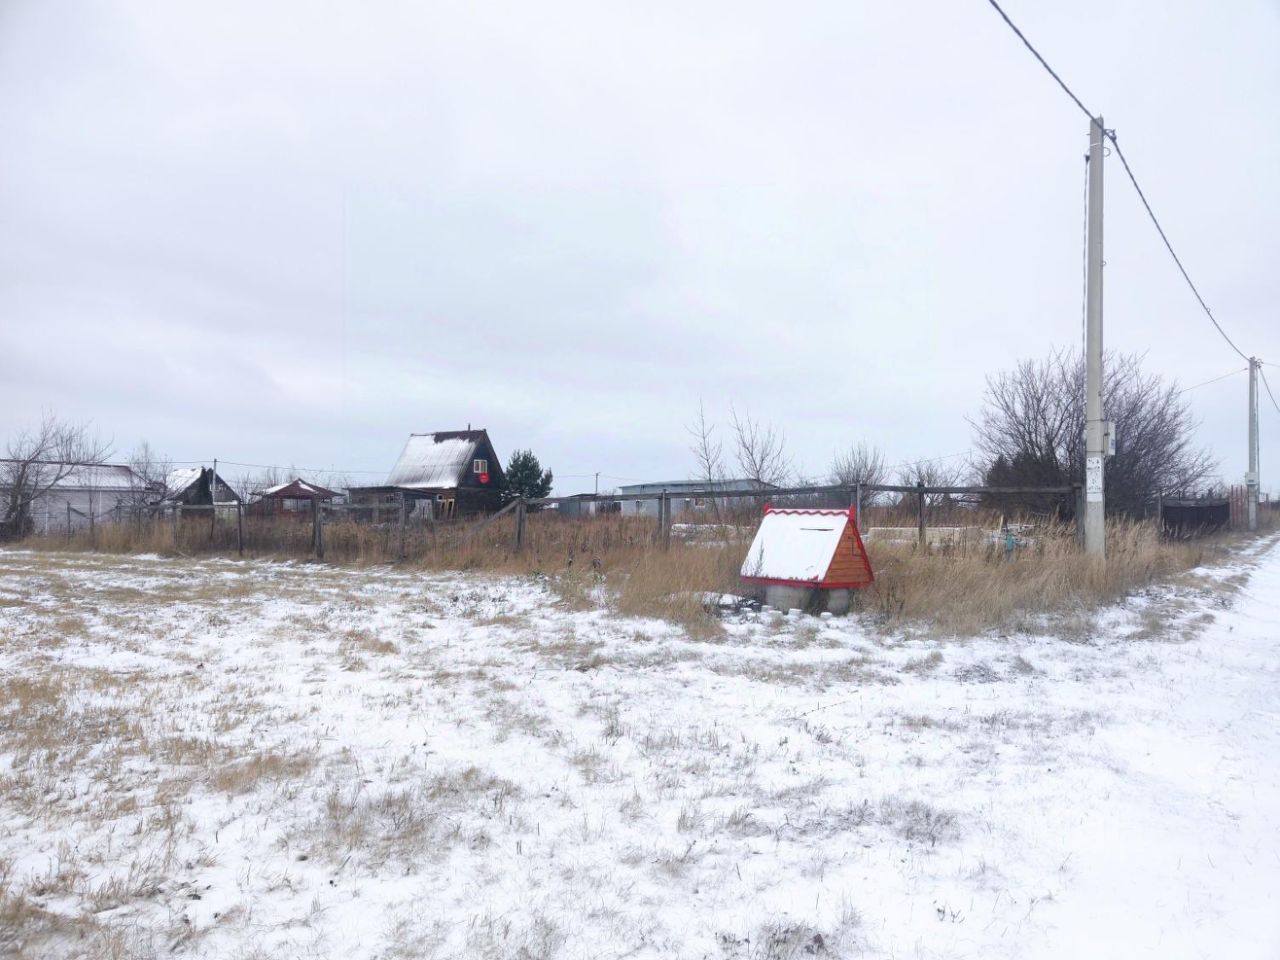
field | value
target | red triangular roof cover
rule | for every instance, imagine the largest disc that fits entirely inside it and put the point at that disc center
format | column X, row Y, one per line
column 811, row 548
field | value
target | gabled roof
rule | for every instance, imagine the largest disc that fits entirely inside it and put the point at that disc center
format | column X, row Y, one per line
column 436, row 460
column 182, row 479
column 808, row 548
column 178, row 479
column 90, row 476
column 299, row 489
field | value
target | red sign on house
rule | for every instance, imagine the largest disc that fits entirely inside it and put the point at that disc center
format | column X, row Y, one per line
column 484, row 478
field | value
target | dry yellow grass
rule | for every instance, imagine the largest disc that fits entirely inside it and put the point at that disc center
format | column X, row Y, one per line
column 979, row 589
column 615, row 560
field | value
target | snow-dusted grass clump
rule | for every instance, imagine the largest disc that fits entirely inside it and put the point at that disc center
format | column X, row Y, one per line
column 216, row 758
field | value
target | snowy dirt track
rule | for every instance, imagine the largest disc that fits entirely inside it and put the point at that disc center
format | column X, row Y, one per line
column 221, row 759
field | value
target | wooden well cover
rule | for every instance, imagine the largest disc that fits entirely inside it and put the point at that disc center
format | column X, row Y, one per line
column 812, row 548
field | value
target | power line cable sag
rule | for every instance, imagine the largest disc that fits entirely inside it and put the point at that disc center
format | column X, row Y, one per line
column 1111, row 135
column 1263, row 374
column 1197, row 386
column 1044, row 63
column 341, row 471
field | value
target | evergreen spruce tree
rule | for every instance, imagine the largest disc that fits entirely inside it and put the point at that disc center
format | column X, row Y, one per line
column 525, row 477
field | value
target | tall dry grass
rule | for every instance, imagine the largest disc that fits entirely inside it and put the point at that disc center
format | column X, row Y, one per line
column 979, row 588
column 615, row 560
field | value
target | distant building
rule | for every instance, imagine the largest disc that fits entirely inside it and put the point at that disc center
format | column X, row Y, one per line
column 198, row 487
column 584, row 505
column 97, row 490
column 297, row 498
column 681, row 498
column 450, row 473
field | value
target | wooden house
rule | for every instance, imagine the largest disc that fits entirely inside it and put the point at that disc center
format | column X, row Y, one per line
column 807, row 558
column 450, row 473
column 198, row 487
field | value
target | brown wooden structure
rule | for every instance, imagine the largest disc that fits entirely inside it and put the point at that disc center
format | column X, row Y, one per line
column 447, row 474
column 296, row 499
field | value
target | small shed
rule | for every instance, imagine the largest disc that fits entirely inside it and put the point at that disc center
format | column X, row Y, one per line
column 297, row 498
column 808, row 558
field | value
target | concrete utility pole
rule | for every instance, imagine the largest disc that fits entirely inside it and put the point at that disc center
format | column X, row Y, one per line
column 1251, row 478
column 1095, row 540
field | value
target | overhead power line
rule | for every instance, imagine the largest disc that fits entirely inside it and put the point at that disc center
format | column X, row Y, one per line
column 1197, row 386
column 1268, row 386
column 279, row 466
column 1111, row 135
column 1043, row 62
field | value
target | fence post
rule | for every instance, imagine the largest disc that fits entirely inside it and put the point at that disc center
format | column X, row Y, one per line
column 664, row 520
column 404, row 520
column 924, row 540
column 93, row 532
column 317, row 528
column 520, row 520
column 857, row 507
column 240, row 529
column 68, row 521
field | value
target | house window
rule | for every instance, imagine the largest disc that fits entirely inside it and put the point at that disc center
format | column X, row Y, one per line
column 480, row 466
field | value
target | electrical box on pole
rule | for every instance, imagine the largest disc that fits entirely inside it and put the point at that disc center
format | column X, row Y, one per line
column 1096, row 442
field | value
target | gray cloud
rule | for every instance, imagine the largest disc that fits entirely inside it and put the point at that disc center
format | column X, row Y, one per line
column 293, row 235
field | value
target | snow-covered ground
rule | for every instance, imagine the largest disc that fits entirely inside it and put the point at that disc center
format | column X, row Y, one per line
column 220, row 759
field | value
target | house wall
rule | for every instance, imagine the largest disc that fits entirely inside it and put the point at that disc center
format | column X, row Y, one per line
column 685, row 505
column 49, row 512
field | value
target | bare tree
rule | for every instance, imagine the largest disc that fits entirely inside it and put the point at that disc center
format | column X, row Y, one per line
column 338, row 483
column 1031, row 430
column 36, row 461
column 708, row 452
column 932, row 473
column 150, row 475
column 251, row 485
column 708, row 455
column 860, row 463
column 760, row 450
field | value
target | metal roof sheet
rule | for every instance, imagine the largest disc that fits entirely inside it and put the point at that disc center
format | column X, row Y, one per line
column 435, row 460
column 92, row 476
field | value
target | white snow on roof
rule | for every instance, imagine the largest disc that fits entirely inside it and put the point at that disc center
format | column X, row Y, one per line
column 104, row 476
column 89, row 476
column 303, row 487
column 794, row 546
column 180, row 478
column 427, row 463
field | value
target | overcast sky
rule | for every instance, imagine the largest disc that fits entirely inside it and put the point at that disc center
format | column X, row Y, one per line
column 295, row 233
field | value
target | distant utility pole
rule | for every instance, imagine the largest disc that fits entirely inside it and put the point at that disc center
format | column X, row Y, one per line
column 597, row 483
column 1251, row 479
column 1095, row 442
